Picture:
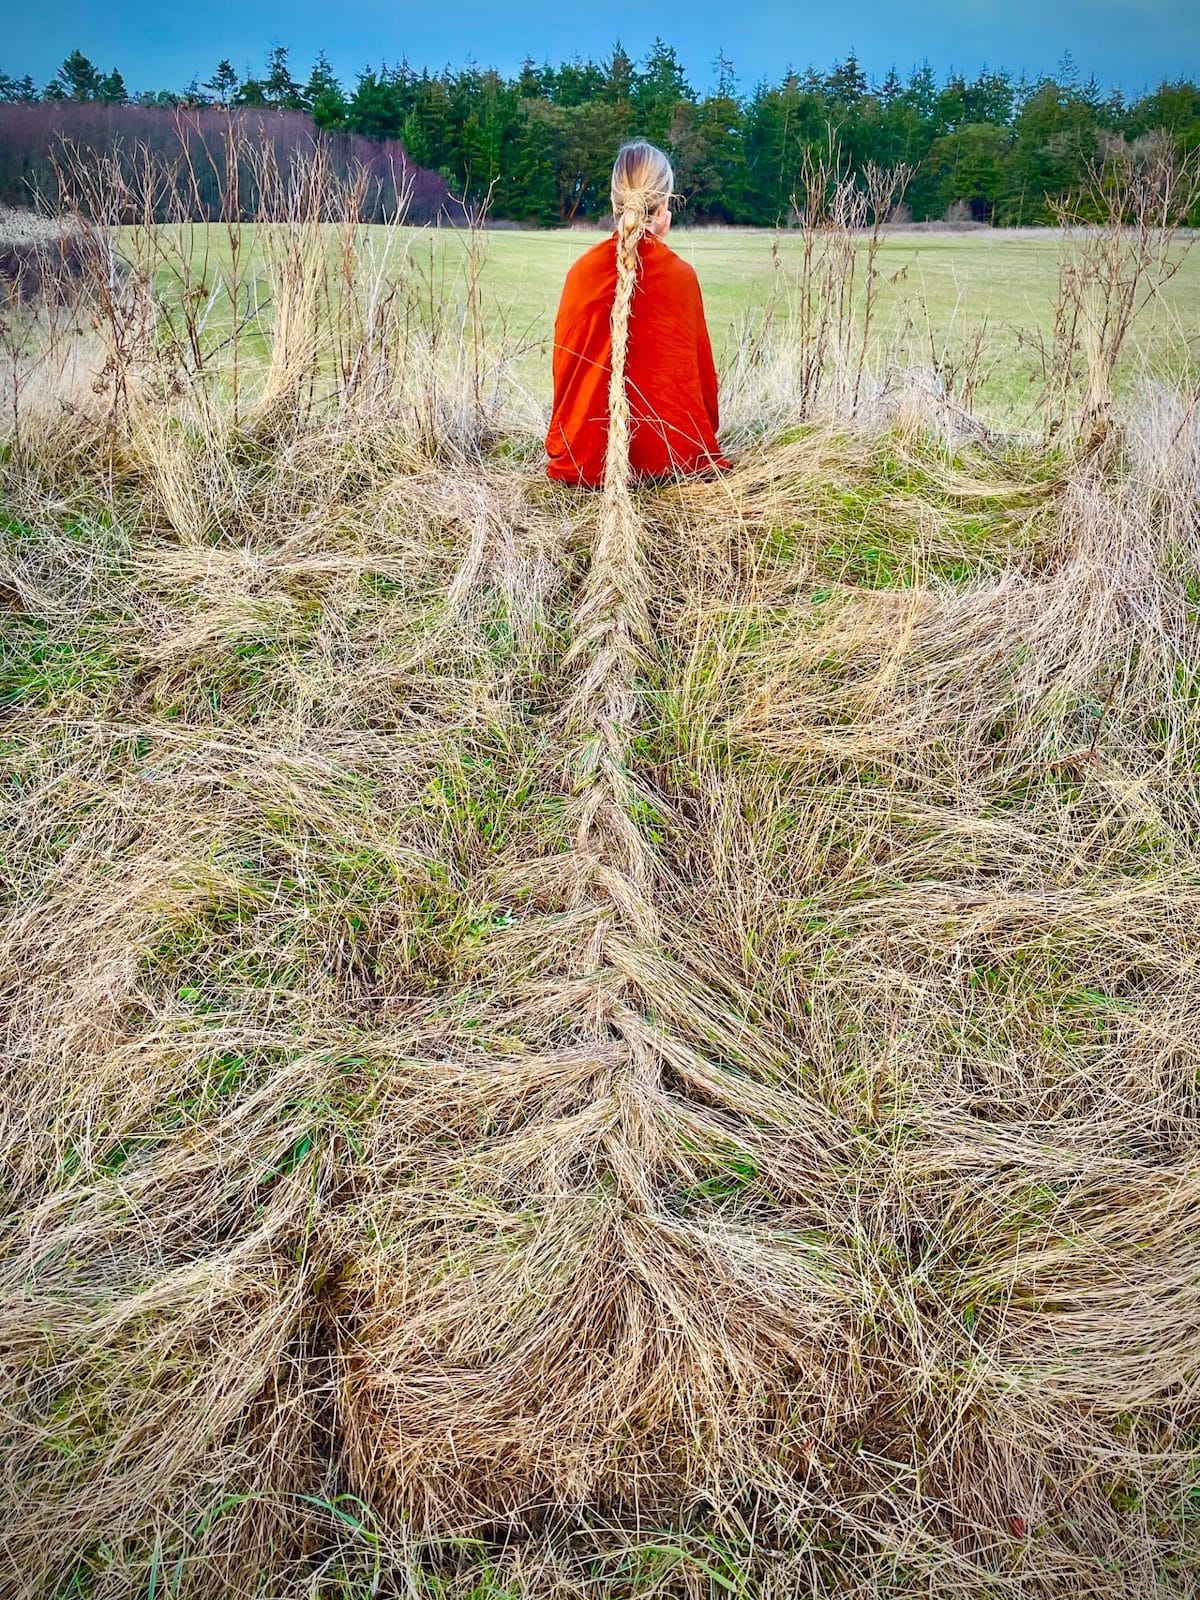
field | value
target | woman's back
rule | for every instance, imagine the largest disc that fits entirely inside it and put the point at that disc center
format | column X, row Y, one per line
column 670, row 379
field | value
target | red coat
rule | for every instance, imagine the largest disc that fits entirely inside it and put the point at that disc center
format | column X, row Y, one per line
column 669, row 374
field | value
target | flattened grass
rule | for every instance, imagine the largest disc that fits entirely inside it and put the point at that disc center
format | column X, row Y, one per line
column 542, row 1066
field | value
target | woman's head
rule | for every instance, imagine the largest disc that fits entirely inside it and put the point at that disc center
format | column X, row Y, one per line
column 642, row 182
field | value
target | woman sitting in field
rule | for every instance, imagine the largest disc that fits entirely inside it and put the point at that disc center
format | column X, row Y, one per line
column 643, row 367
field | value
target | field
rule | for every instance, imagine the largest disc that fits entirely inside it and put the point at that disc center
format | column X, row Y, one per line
column 566, row 1047
column 938, row 288
column 977, row 299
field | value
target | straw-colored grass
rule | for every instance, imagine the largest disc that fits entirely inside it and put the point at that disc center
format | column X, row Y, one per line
column 551, row 1062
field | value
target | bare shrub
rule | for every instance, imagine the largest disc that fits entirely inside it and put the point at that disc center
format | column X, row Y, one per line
column 1122, row 244
column 840, row 221
column 203, row 139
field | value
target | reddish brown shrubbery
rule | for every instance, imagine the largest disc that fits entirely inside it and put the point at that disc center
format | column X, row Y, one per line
column 191, row 147
column 38, row 263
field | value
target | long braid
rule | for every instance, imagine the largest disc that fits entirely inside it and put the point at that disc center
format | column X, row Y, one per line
column 631, row 226
column 612, row 624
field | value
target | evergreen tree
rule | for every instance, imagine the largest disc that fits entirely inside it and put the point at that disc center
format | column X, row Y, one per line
column 989, row 99
column 375, row 109
column 921, row 91
column 966, row 167
column 781, row 126
column 1067, row 73
column 847, row 83
column 951, row 103
column 619, row 73
column 17, row 91
column 280, row 88
column 534, row 83
column 720, row 179
column 323, row 95
column 330, row 108
column 1174, row 107
column 77, row 78
column 1055, row 138
column 111, row 89
column 577, row 82
column 251, row 92
column 223, row 83
column 618, row 76
column 321, row 81
column 412, row 137
column 656, row 91
column 890, row 89
column 430, row 100
column 536, row 160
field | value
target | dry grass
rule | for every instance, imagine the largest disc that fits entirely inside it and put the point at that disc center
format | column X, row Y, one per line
column 557, row 1052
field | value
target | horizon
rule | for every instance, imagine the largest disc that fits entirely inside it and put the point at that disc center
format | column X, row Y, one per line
column 1137, row 47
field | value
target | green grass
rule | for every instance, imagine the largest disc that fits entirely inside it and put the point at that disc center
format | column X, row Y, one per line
column 938, row 292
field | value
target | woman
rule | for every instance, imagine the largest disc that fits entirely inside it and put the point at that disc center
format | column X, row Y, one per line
column 636, row 374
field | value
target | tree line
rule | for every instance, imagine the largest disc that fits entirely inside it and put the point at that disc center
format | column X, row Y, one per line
column 538, row 146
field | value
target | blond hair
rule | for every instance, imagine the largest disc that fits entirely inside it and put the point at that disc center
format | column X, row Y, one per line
column 642, row 181
column 613, row 627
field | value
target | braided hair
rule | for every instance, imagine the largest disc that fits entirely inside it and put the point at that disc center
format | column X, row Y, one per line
column 612, row 623
column 642, row 181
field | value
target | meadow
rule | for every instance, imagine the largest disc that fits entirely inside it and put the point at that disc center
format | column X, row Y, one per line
column 940, row 291
column 978, row 298
column 555, row 1054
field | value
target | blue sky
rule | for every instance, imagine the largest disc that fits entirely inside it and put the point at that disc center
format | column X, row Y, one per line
column 1132, row 43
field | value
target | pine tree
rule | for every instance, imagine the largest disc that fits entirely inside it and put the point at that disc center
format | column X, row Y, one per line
column 618, row 91
column 111, row 89
column 951, row 103
column 321, row 81
column 847, row 83
column 1067, row 72
column 989, row 98
column 534, row 82
column 921, row 91
column 720, row 177
column 577, row 82
column 78, row 78
column 538, row 156
column 223, row 83
column 251, row 92
column 18, row 91
column 412, row 137
column 657, row 89
column 890, row 89
column 618, row 76
column 375, row 108
column 281, row 89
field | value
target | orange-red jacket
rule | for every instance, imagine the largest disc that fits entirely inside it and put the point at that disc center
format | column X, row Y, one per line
column 669, row 374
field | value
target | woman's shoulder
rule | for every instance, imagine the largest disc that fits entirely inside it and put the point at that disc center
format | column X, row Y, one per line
column 596, row 267
column 668, row 261
column 595, row 261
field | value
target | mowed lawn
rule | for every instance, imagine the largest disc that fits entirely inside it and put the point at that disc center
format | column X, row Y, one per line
column 981, row 298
